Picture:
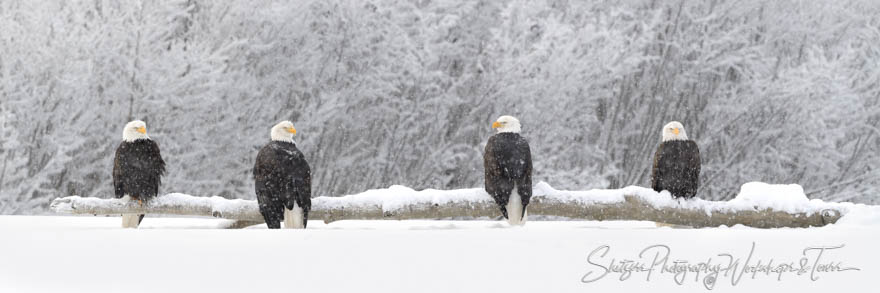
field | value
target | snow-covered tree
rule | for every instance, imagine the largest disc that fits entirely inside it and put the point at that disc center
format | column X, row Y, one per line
column 402, row 92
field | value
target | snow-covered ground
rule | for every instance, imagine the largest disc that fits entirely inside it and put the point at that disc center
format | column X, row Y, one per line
column 92, row 254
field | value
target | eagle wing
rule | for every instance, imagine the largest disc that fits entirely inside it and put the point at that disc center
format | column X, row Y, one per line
column 266, row 175
column 524, row 182
column 694, row 163
column 507, row 164
column 495, row 185
column 282, row 178
column 118, row 165
column 137, row 169
column 655, row 171
column 298, row 177
column 677, row 168
column 156, row 167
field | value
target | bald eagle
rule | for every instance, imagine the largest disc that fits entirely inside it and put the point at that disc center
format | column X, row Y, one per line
column 137, row 169
column 507, row 162
column 676, row 163
column 283, row 180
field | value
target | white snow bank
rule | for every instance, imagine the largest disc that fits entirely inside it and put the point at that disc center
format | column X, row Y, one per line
column 593, row 196
column 184, row 201
column 791, row 198
column 753, row 196
column 90, row 254
column 860, row 215
column 396, row 197
column 782, row 197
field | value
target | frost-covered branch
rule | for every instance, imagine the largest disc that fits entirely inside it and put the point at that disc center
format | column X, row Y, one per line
column 415, row 97
column 761, row 206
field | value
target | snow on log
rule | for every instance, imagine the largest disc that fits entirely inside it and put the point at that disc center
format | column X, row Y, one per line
column 244, row 212
column 758, row 205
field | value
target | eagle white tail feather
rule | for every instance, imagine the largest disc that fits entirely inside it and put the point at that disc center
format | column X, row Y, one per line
column 293, row 219
column 515, row 215
column 130, row 220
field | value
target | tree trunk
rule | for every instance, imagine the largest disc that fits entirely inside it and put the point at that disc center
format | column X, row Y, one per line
column 331, row 209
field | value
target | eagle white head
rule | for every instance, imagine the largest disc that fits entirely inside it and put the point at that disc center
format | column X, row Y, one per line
column 134, row 130
column 674, row 131
column 283, row 131
column 507, row 124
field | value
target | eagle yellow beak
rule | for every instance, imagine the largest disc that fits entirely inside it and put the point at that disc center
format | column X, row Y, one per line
column 291, row 130
column 496, row 124
column 676, row 130
column 142, row 130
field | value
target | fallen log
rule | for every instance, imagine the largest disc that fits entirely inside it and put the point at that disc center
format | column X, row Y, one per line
column 401, row 203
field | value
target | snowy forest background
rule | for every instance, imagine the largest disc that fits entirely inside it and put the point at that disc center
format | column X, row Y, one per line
column 403, row 92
